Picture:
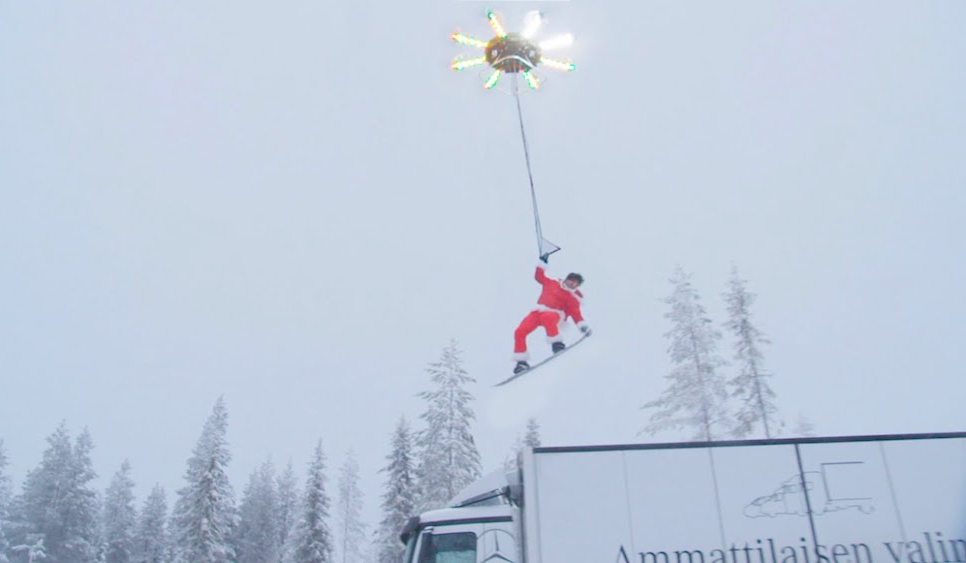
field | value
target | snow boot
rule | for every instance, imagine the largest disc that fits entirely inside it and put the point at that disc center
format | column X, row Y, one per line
column 557, row 347
column 521, row 367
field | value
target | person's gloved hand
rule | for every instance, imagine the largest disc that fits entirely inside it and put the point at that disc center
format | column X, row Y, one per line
column 586, row 330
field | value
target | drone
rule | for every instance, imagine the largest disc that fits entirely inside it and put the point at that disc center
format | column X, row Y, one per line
column 514, row 53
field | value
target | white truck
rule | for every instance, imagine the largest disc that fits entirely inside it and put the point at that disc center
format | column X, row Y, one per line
column 858, row 499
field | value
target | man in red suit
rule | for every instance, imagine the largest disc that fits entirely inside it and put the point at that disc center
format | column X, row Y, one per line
column 559, row 300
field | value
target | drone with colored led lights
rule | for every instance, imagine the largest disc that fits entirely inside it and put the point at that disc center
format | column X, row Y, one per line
column 517, row 54
column 513, row 53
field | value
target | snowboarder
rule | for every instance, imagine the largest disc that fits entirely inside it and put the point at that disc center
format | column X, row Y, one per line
column 559, row 300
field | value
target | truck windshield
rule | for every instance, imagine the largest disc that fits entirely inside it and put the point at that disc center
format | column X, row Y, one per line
column 448, row 548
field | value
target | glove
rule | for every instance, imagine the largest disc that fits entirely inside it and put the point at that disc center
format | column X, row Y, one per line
column 544, row 257
column 586, row 330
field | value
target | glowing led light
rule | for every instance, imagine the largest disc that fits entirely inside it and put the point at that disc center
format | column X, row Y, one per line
column 467, row 40
column 494, row 78
column 495, row 23
column 531, row 24
column 558, row 65
column 564, row 40
column 532, row 80
column 467, row 63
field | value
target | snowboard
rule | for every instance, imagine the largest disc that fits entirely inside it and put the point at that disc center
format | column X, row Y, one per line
column 543, row 361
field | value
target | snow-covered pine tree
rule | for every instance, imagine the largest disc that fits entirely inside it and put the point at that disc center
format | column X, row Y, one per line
column 120, row 517
column 256, row 537
column 34, row 510
column 351, row 531
column 750, row 386
column 448, row 458
column 82, row 509
column 803, row 427
column 151, row 543
column 204, row 513
column 5, row 494
column 399, row 497
column 287, row 507
column 313, row 539
column 532, row 438
column 696, row 394
column 57, row 511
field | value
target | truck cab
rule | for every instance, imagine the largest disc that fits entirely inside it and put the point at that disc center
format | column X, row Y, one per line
column 479, row 527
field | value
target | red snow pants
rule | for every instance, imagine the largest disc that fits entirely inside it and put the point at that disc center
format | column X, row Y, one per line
column 549, row 320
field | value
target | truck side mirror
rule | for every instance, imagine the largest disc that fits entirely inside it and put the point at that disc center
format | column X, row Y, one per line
column 514, row 492
column 407, row 532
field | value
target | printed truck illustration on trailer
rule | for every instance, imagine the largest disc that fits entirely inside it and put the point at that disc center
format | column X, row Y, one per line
column 857, row 499
column 827, row 493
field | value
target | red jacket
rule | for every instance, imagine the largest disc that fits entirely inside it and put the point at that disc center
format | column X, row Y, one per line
column 558, row 297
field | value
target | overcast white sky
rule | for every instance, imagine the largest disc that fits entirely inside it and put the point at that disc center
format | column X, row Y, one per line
column 298, row 204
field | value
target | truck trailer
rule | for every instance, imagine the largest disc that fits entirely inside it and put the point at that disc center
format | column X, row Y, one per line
column 849, row 499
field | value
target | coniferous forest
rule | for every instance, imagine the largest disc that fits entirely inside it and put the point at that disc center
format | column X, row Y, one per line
column 314, row 514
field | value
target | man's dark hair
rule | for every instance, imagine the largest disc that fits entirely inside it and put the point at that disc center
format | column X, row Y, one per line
column 574, row 276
